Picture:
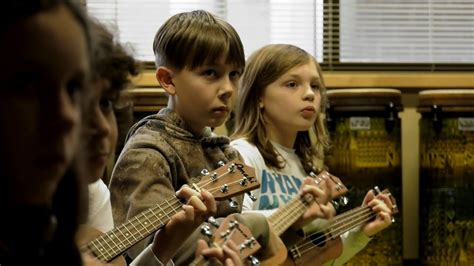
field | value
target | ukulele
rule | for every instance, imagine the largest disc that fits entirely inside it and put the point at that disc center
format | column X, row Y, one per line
column 230, row 229
column 287, row 215
column 325, row 245
column 231, row 179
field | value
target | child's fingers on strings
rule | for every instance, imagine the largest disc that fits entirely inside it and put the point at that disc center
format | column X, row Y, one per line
column 368, row 197
column 386, row 199
column 381, row 203
column 385, row 218
column 328, row 210
column 231, row 250
column 209, row 201
column 197, row 204
column 186, row 192
column 379, row 206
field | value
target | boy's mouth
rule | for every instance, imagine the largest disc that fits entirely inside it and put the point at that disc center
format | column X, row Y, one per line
column 221, row 109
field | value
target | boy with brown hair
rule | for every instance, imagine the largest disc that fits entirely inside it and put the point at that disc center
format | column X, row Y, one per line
column 199, row 60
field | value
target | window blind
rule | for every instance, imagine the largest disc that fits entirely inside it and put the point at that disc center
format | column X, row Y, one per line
column 407, row 31
column 342, row 34
column 398, row 35
column 258, row 22
column 135, row 22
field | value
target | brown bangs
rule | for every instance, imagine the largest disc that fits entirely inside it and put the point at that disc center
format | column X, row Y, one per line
column 197, row 38
column 209, row 46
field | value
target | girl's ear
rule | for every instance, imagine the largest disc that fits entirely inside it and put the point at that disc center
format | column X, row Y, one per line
column 164, row 76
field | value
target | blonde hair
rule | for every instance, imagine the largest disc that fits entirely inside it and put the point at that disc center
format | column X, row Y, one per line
column 191, row 39
column 264, row 67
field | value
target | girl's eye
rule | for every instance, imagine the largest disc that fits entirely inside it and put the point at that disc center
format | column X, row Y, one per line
column 315, row 87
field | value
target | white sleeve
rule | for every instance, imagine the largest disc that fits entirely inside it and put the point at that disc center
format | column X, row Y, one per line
column 352, row 242
column 148, row 258
column 265, row 213
column 100, row 209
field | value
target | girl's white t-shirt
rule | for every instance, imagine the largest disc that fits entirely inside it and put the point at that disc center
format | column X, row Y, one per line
column 278, row 186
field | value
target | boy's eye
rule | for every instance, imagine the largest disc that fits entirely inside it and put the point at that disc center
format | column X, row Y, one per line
column 291, row 84
column 234, row 74
column 209, row 73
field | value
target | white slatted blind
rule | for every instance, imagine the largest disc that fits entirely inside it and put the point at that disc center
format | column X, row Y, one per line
column 407, row 31
column 258, row 22
column 361, row 31
column 135, row 22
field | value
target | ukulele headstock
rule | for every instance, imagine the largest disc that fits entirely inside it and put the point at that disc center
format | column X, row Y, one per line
column 230, row 179
column 230, row 229
column 338, row 189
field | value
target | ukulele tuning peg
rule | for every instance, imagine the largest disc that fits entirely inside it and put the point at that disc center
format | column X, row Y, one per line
column 318, row 181
column 312, row 174
column 225, row 234
column 252, row 196
column 254, row 261
column 335, row 204
column 213, row 177
column 249, row 243
column 206, row 230
column 204, row 172
column 212, row 221
column 231, row 168
column 343, row 200
column 233, row 204
column 233, row 224
column 377, row 190
column 220, row 163
column 224, row 188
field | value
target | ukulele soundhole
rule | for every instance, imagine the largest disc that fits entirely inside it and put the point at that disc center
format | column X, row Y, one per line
column 318, row 239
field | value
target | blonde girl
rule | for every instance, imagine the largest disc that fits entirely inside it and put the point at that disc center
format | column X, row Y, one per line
column 280, row 130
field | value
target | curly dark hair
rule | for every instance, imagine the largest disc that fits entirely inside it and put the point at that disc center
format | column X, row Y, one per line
column 110, row 60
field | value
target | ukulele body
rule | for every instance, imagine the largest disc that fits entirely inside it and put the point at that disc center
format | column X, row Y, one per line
column 280, row 255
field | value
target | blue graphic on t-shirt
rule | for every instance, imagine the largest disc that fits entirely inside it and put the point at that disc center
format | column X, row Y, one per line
column 277, row 189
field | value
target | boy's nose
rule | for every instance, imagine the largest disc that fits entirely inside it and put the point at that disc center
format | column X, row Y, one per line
column 227, row 88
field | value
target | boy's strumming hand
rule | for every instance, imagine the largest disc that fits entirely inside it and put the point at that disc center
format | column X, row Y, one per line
column 199, row 207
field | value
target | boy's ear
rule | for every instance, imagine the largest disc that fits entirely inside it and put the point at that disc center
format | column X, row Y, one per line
column 164, row 76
